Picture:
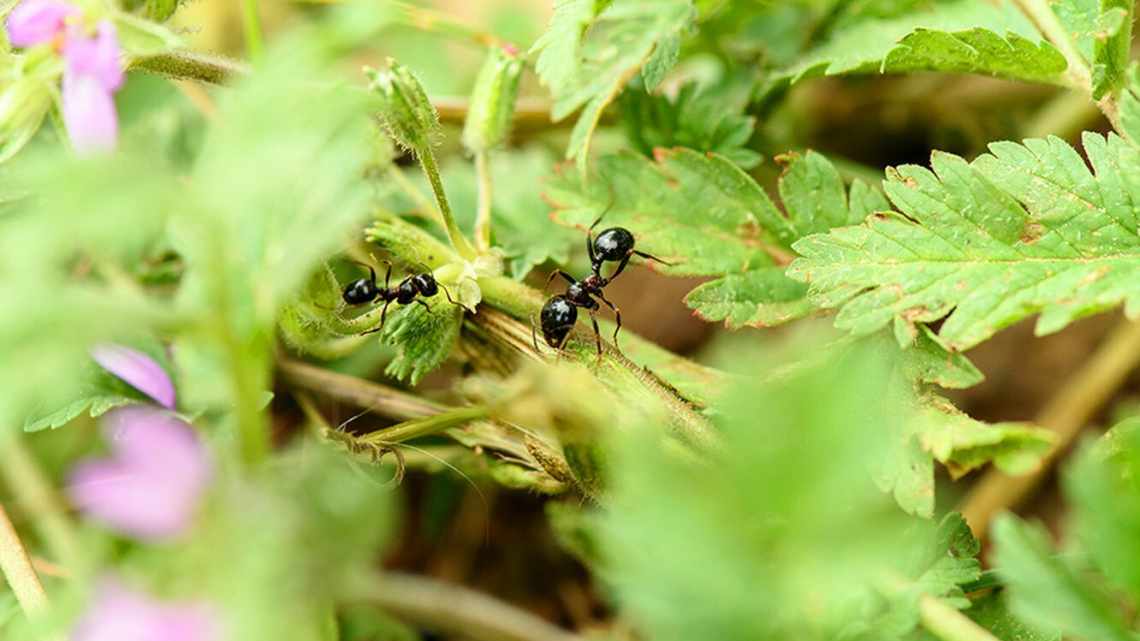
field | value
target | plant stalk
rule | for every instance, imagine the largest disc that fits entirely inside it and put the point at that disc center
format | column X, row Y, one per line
column 1066, row 413
column 431, row 169
column 456, row 610
column 38, row 500
column 416, row 428
column 18, row 570
column 483, row 212
column 251, row 25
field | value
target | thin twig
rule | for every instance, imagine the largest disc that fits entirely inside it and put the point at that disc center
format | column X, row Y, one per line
column 457, row 610
column 1042, row 16
column 18, row 570
column 1066, row 413
column 38, row 500
column 483, row 211
column 251, row 25
column 382, row 400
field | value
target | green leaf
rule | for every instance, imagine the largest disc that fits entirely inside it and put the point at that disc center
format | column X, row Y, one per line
column 588, row 54
column 991, row 613
column 694, row 119
column 424, row 338
column 969, row 36
column 725, row 547
column 1047, row 591
column 737, row 234
column 1112, row 46
column 963, row 444
column 1105, row 517
column 1025, row 229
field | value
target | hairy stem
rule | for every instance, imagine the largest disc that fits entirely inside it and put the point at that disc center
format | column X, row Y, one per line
column 456, row 610
column 483, row 212
column 1066, row 413
column 1042, row 16
column 17, row 569
column 251, row 26
column 190, row 65
column 949, row 624
column 458, row 240
column 416, row 428
column 38, row 500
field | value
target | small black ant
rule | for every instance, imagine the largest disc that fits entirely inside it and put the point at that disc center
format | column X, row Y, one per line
column 613, row 245
column 366, row 290
column 561, row 312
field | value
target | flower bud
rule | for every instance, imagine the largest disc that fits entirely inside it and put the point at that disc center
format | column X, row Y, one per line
column 405, row 108
column 493, row 100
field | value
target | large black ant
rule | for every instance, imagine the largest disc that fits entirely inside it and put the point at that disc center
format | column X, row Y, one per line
column 365, row 290
column 560, row 312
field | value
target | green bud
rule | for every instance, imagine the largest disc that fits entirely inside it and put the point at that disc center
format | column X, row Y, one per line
column 493, row 100
column 405, row 109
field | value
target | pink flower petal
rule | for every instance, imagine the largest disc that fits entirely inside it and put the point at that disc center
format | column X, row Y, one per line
column 151, row 487
column 137, row 369
column 35, row 22
column 98, row 56
column 118, row 613
column 89, row 114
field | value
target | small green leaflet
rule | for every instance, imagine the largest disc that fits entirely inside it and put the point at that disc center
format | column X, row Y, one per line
column 424, row 337
column 593, row 48
column 1048, row 590
column 970, row 36
column 1025, row 229
column 709, row 218
column 692, row 119
column 1102, row 31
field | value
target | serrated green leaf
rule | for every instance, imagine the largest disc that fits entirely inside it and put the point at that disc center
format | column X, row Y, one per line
column 424, row 337
column 1046, row 590
column 736, row 234
column 588, row 54
column 692, row 119
column 969, row 36
column 963, row 444
column 1025, row 229
column 928, row 361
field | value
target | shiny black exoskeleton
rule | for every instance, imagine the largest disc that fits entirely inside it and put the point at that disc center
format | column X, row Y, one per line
column 561, row 312
column 365, row 290
column 613, row 245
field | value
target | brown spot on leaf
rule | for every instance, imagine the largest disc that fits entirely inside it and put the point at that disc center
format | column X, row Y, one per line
column 1032, row 233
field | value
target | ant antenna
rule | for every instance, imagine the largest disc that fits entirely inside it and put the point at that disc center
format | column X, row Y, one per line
column 613, row 201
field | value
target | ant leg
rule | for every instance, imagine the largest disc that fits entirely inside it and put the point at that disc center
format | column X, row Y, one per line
column 421, row 302
column 617, row 316
column 448, row 294
column 620, row 267
column 653, row 258
column 597, row 334
column 557, row 272
column 590, row 242
column 384, row 312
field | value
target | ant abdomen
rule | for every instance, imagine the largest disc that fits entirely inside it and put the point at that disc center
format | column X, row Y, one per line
column 557, row 318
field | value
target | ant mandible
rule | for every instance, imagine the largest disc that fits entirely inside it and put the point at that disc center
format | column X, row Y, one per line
column 366, row 290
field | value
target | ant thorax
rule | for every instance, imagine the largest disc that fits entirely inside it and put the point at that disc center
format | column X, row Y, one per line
column 593, row 283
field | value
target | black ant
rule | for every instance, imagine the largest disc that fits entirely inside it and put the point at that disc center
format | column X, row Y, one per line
column 561, row 312
column 366, row 290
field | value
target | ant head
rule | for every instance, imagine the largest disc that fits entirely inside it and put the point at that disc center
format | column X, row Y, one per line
column 360, row 291
column 613, row 244
column 425, row 284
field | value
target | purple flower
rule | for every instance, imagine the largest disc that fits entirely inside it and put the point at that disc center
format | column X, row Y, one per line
column 92, row 75
column 92, row 71
column 37, row 22
column 120, row 614
column 135, row 367
column 152, row 484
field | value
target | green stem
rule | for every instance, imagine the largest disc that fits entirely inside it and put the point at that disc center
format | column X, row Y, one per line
column 1042, row 16
column 190, row 65
column 483, row 213
column 416, row 428
column 458, row 240
column 949, row 624
column 251, row 23
column 17, row 569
